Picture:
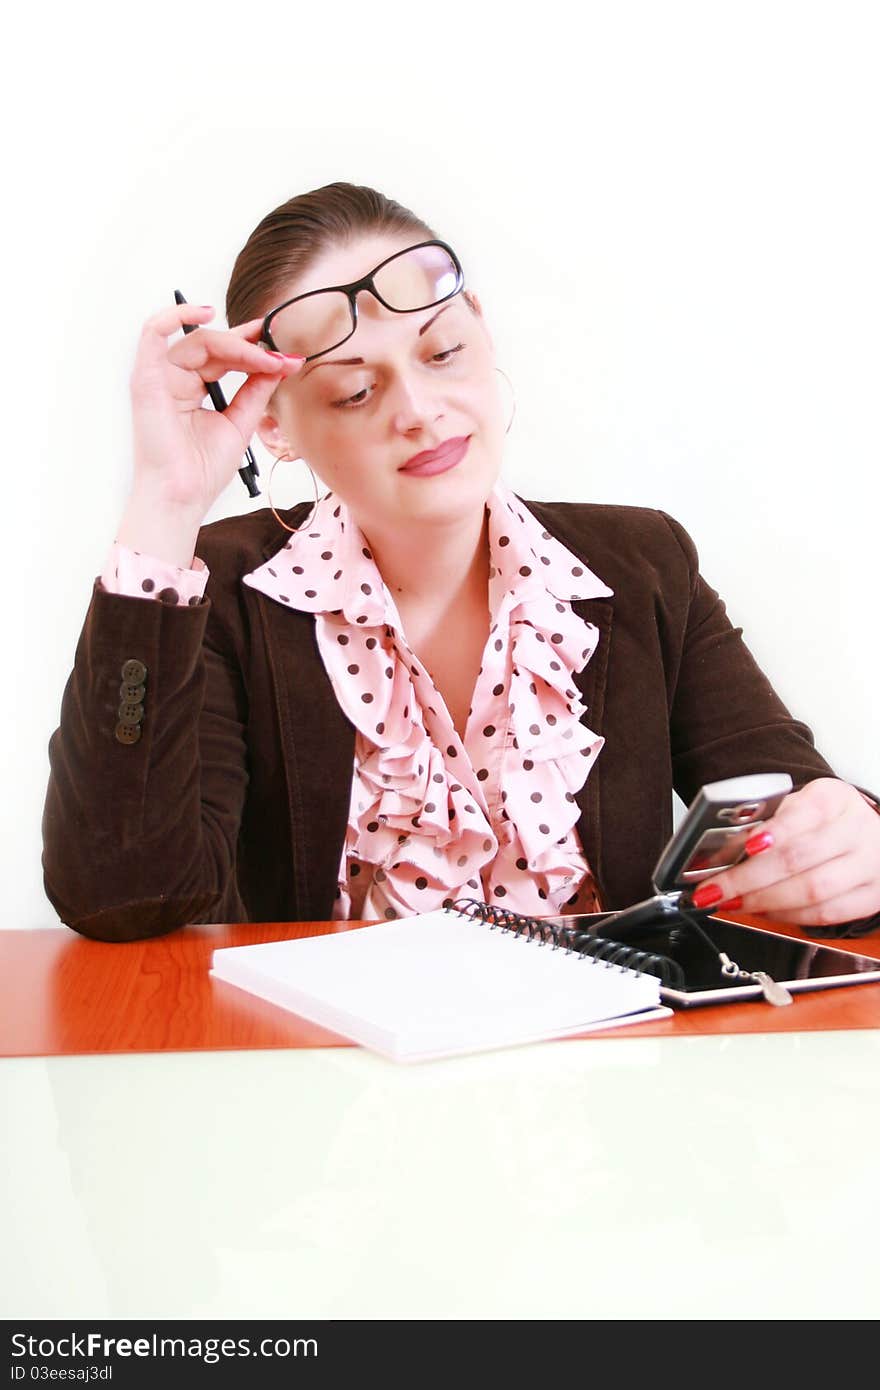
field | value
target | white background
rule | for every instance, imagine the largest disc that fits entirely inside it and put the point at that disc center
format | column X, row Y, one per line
column 670, row 213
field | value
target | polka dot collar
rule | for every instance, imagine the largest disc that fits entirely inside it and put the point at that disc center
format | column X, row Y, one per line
column 330, row 568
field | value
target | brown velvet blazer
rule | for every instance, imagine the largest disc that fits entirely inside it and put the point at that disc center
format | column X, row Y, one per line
column 232, row 804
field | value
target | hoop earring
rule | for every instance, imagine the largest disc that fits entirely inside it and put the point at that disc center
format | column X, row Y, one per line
column 288, row 458
column 513, row 393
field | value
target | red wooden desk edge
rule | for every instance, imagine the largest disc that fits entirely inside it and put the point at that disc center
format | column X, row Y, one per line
column 63, row 995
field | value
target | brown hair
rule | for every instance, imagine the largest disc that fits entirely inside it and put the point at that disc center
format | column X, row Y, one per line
column 290, row 239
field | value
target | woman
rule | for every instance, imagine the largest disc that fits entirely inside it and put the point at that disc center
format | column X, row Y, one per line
column 421, row 687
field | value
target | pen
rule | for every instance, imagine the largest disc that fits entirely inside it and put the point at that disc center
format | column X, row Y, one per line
column 250, row 471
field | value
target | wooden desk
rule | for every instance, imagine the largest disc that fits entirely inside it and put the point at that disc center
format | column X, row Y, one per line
column 62, row 994
column 226, row 1160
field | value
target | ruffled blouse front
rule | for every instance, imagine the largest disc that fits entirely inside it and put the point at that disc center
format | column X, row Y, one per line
column 434, row 817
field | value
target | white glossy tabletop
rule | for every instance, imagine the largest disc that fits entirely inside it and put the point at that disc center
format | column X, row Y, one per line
column 597, row 1178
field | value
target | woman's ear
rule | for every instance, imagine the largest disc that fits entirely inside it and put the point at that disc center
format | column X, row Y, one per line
column 272, row 435
column 476, row 307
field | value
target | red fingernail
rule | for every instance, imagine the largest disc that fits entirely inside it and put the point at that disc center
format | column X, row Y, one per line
column 707, row 895
column 759, row 842
column 732, row 903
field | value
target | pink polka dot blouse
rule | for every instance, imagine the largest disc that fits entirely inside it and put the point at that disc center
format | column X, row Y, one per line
column 435, row 817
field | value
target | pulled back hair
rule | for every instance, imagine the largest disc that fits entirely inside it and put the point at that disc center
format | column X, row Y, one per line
column 292, row 237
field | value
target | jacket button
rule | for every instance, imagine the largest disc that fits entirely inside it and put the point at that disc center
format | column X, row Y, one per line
column 132, row 692
column 130, row 713
column 133, row 671
column 128, row 733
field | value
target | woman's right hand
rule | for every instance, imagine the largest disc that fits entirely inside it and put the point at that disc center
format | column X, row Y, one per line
column 184, row 455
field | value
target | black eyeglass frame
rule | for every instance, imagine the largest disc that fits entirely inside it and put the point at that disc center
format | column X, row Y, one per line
column 366, row 283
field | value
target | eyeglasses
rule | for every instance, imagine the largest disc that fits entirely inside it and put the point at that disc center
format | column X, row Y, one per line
column 310, row 325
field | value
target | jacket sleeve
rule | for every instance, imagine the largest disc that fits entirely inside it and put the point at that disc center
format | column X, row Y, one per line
column 726, row 720
column 148, row 773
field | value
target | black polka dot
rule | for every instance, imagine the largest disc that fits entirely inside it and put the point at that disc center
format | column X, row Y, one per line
column 555, row 666
column 421, row 882
column 168, row 595
column 148, row 585
column 556, row 637
column 298, row 569
column 311, row 593
column 390, row 914
column 500, row 891
column 539, row 637
column 367, row 698
column 416, row 821
column 504, row 540
column 522, row 864
column 536, row 796
column 534, row 728
column 337, row 511
column 373, row 826
column 284, row 597
column 194, row 600
column 326, row 554
column 471, row 810
column 560, row 608
column 542, row 894
column 370, row 643
column 429, row 807
column 498, row 690
column 472, row 883
column 533, row 687
column 544, row 560
column 380, row 727
column 353, row 669
column 365, row 589
column 524, row 570
column 354, row 870
column 367, row 553
column 568, row 796
column 438, row 777
column 362, row 618
column 389, row 671
column 482, row 774
column 577, row 571
column 489, row 730
column 544, row 829
column 338, row 574
column 272, row 572
column 527, row 764
column 487, row 845
column 342, row 640
column 451, row 752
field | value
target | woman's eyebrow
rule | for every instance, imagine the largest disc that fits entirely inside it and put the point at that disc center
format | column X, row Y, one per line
column 357, row 361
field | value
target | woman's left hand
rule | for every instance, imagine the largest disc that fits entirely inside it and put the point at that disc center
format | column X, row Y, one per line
column 815, row 862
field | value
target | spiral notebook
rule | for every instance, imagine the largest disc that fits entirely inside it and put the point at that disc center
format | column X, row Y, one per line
column 458, row 980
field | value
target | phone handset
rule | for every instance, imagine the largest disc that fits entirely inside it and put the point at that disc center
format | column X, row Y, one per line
column 710, row 838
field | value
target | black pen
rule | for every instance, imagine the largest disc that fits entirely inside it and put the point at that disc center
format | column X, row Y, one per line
column 249, row 473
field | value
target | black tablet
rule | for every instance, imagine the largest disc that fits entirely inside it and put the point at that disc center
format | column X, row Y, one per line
column 696, row 976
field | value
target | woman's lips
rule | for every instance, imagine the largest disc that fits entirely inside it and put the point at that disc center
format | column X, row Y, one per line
column 441, row 460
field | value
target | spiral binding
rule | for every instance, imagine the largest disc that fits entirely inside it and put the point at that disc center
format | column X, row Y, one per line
column 597, row 948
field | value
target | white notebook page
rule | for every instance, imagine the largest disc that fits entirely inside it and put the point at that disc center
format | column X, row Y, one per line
column 437, row 985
